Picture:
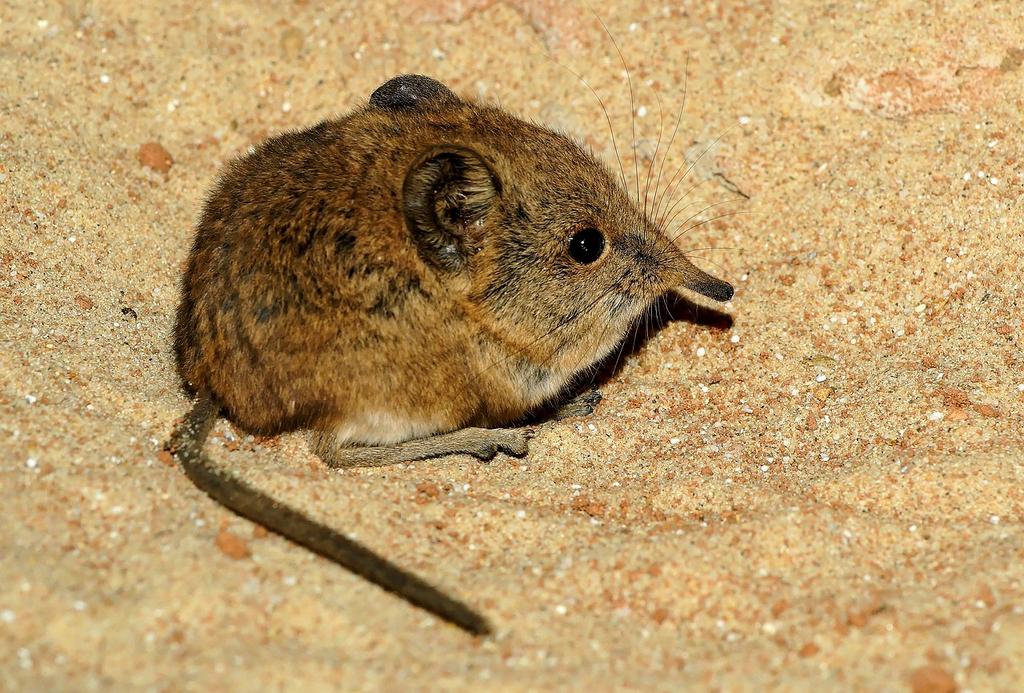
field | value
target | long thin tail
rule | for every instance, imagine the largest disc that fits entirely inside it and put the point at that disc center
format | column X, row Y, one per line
column 236, row 495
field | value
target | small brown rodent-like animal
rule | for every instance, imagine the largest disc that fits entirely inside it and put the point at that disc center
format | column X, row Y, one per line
column 400, row 282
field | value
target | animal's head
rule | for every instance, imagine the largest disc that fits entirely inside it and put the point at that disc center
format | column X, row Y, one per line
column 550, row 250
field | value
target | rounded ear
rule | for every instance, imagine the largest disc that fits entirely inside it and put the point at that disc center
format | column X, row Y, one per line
column 409, row 92
column 449, row 191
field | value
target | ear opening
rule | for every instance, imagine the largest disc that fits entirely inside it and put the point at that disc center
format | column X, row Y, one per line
column 449, row 191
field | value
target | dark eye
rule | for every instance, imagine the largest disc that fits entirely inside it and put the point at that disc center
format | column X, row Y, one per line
column 586, row 246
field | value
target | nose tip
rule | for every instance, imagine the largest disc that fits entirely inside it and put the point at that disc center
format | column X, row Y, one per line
column 715, row 289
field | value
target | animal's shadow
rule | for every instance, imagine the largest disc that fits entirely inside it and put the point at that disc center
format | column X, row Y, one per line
column 670, row 308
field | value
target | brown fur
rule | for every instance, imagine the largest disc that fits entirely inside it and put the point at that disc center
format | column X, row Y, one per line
column 401, row 277
column 306, row 299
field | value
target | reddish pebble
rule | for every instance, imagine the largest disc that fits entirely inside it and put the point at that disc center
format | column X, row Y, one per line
column 987, row 410
column 153, row 155
column 932, row 679
column 590, row 507
column 84, row 302
column 956, row 414
column 809, row 650
column 232, row 545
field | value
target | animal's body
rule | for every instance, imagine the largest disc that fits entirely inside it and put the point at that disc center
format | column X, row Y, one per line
column 404, row 279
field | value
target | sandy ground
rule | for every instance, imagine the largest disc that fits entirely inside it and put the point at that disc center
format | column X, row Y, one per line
column 824, row 492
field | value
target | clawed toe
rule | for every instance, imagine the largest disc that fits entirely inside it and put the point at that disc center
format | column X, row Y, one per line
column 517, row 444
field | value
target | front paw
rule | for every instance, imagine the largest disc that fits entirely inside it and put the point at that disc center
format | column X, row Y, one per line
column 583, row 405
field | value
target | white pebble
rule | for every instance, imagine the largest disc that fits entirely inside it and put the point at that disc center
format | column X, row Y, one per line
column 7, row 616
column 735, row 339
column 673, row 441
column 521, row 514
column 936, row 416
column 967, row 176
column 820, row 378
column 31, row 399
column 920, row 308
column 104, row 79
column 994, row 519
column 31, row 463
column 79, row 605
column 286, row 106
column 641, row 112
column 744, row 120
column 1020, row 388
column 561, row 610
column 701, row 351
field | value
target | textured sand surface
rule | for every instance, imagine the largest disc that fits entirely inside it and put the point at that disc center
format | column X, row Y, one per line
column 825, row 492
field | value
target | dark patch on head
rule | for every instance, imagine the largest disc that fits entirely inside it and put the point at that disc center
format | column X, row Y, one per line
column 410, row 92
column 521, row 215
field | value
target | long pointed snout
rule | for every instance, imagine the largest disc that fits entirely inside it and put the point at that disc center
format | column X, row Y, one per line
column 696, row 279
column 680, row 273
column 686, row 275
